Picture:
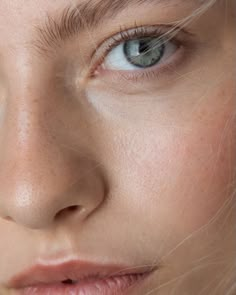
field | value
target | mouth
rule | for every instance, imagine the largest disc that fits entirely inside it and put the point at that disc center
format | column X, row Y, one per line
column 78, row 278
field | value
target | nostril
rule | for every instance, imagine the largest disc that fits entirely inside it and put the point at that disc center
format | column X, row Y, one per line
column 68, row 211
column 8, row 218
column 73, row 208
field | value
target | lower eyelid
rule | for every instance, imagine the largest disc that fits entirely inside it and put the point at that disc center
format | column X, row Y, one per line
column 136, row 83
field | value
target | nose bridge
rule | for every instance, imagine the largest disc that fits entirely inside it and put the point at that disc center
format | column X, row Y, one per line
column 25, row 131
column 26, row 119
column 38, row 177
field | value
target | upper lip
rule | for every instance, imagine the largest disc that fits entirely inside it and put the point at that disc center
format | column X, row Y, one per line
column 73, row 270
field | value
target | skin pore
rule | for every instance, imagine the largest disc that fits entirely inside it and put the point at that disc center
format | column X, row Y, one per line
column 146, row 155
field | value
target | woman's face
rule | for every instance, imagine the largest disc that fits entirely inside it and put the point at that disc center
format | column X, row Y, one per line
column 114, row 160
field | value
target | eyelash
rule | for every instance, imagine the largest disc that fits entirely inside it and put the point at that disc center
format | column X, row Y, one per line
column 166, row 33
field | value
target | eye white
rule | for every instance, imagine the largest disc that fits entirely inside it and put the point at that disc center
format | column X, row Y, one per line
column 116, row 59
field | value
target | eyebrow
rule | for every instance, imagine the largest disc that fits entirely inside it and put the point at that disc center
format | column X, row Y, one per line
column 83, row 16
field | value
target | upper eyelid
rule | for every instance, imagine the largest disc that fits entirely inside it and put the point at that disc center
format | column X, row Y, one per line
column 161, row 31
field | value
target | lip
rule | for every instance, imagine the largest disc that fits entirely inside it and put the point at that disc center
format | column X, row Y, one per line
column 77, row 277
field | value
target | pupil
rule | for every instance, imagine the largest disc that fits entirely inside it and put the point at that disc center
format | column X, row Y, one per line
column 144, row 46
column 145, row 52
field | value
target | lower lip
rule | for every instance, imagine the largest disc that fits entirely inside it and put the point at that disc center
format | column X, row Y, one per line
column 107, row 286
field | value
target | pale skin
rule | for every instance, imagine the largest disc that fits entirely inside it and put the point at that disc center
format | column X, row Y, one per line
column 151, row 161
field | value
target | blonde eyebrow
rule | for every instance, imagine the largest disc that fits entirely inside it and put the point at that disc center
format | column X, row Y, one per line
column 86, row 15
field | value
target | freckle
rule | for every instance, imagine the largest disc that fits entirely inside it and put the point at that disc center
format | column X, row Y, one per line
column 222, row 158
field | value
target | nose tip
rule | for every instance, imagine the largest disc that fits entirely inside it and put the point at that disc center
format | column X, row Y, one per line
column 41, row 204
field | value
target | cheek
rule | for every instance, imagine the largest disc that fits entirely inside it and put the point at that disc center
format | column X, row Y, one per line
column 184, row 175
column 203, row 177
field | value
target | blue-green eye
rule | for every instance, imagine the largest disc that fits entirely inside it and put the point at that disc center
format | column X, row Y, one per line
column 143, row 53
column 139, row 54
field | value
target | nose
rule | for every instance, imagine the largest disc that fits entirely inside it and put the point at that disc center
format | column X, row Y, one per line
column 42, row 180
